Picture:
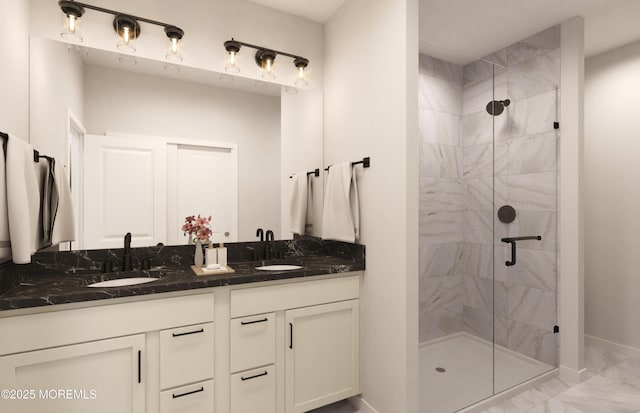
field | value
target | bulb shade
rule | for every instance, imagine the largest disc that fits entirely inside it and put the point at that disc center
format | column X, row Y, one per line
column 128, row 31
column 71, row 22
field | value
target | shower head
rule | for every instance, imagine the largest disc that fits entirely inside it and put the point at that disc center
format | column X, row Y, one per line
column 496, row 107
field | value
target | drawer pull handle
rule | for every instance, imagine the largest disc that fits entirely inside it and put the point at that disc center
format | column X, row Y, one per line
column 254, row 377
column 175, row 396
column 244, row 323
column 188, row 333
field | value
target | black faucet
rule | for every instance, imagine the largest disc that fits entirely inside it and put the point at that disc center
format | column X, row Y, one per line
column 269, row 232
column 260, row 234
column 126, row 257
column 267, row 247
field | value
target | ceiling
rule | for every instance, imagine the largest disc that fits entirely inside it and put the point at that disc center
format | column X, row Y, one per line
column 316, row 10
column 461, row 31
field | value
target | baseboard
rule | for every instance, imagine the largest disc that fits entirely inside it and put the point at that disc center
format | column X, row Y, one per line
column 610, row 345
column 509, row 393
column 573, row 376
column 361, row 404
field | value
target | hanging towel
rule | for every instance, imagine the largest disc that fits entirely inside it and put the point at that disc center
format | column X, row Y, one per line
column 341, row 212
column 308, row 226
column 48, row 200
column 301, row 203
column 5, row 243
column 298, row 203
column 63, row 221
column 23, row 200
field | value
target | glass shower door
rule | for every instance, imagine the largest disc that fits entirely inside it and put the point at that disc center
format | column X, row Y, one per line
column 525, row 218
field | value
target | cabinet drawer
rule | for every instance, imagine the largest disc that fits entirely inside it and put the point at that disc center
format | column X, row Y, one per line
column 186, row 355
column 254, row 391
column 253, row 341
column 195, row 398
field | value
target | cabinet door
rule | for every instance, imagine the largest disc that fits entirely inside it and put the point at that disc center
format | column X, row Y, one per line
column 322, row 362
column 100, row 377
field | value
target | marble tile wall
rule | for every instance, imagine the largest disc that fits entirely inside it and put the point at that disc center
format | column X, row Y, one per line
column 518, row 168
column 442, row 199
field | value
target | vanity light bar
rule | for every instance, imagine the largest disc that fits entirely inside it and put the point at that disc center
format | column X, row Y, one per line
column 265, row 59
column 75, row 9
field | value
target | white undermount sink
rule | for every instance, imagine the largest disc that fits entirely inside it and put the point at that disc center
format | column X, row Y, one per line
column 278, row 267
column 122, row 282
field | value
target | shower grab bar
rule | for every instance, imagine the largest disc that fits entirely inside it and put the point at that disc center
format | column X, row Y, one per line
column 512, row 241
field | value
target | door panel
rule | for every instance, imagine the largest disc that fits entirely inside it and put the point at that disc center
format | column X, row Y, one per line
column 124, row 191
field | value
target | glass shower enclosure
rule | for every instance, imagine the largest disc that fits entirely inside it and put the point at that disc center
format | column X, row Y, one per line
column 488, row 222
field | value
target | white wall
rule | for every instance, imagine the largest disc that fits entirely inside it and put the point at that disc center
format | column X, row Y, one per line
column 56, row 79
column 14, row 78
column 612, row 195
column 124, row 102
column 571, row 287
column 301, row 149
column 371, row 105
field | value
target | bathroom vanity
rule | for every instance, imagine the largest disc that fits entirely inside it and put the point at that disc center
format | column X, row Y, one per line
column 250, row 342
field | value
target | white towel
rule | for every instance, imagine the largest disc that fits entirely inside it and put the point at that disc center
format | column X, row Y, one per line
column 298, row 203
column 5, row 244
column 341, row 212
column 23, row 200
column 64, row 228
column 308, row 227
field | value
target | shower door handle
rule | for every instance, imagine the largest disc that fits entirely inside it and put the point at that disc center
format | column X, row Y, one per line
column 512, row 241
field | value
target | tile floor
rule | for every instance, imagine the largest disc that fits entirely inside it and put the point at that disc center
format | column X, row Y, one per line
column 614, row 387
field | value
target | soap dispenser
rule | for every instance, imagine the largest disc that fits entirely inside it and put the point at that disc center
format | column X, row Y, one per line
column 211, row 256
column 222, row 255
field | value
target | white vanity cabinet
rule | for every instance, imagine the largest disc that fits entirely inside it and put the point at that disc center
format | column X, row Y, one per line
column 273, row 347
column 121, row 351
column 316, row 341
column 103, row 376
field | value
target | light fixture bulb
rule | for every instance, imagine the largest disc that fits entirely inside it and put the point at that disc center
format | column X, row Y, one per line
column 232, row 58
column 72, row 13
column 128, row 30
column 301, row 64
column 267, row 65
column 175, row 35
column 72, row 23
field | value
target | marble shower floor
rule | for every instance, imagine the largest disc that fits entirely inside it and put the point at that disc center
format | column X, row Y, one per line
column 614, row 387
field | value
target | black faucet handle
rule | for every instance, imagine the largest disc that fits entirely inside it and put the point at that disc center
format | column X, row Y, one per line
column 260, row 234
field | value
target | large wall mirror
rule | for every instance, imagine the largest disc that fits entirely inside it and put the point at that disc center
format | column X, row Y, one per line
column 146, row 143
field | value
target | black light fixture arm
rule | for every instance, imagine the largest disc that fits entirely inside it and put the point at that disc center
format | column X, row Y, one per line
column 253, row 46
column 116, row 13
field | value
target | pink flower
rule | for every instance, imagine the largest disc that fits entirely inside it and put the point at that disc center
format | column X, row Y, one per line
column 200, row 227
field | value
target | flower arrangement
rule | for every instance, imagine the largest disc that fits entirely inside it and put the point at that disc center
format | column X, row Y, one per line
column 198, row 228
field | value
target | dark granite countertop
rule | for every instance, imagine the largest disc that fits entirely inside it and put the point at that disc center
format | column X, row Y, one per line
column 51, row 284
